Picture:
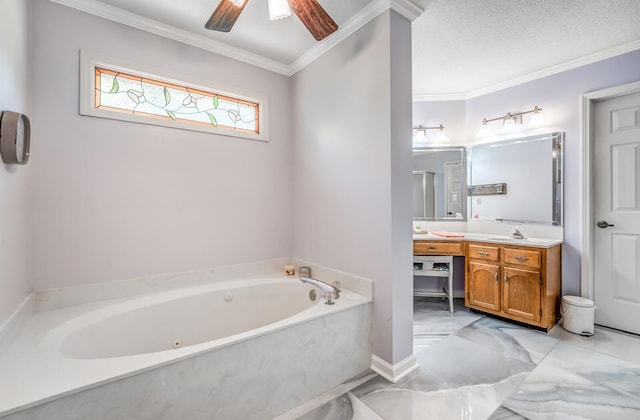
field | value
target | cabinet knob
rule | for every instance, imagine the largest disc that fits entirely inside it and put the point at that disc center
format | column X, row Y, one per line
column 506, row 278
column 520, row 258
column 432, row 248
column 483, row 254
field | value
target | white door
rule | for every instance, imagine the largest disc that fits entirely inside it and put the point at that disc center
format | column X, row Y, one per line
column 617, row 212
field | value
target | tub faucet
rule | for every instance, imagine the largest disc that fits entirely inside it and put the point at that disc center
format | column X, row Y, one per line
column 329, row 291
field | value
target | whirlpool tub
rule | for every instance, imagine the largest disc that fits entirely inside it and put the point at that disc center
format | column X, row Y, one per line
column 230, row 349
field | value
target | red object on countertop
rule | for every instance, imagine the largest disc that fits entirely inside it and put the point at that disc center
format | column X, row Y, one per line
column 448, row 234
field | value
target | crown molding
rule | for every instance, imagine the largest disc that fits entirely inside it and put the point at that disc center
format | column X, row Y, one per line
column 133, row 20
column 568, row 65
column 549, row 71
column 436, row 97
column 360, row 19
column 364, row 16
column 404, row 7
column 407, row 9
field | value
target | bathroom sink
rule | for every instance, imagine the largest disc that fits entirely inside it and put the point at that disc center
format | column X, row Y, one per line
column 514, row 240
column 503, row 238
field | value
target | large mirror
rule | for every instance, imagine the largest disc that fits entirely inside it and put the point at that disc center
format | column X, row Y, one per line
column 439, row 184
column 517, row 180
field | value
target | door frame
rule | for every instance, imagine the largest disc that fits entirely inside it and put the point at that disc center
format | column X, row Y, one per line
column 588, row 102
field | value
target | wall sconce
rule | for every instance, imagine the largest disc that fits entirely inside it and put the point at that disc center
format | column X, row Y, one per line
column 513, row 121
column 420, row 135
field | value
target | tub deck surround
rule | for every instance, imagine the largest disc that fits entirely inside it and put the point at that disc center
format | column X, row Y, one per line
column 49, row 364
column 12, row 327
column 348, row 281
column 144, row 285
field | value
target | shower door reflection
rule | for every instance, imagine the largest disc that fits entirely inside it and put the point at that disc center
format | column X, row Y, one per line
column 424, row 194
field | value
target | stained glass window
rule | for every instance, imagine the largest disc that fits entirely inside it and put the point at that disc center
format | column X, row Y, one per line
column 114, row 88
column 137, row 95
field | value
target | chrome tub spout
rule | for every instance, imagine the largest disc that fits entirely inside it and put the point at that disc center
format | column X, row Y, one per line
column 330, row 292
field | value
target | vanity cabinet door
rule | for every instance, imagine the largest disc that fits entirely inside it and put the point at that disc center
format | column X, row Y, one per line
column 483, row 286
column 521, row 293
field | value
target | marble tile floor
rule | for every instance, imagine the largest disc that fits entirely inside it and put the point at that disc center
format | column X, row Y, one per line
column 476, row 367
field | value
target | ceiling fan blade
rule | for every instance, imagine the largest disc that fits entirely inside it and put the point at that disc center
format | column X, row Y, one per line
column 224, row 16
column 314, row 17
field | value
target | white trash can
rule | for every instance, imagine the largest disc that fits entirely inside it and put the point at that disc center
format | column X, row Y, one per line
column 577, row 314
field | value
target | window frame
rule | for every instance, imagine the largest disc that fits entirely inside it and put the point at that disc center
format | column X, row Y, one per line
column 89, row 61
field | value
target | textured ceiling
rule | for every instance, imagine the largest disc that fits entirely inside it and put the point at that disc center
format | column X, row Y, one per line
column 467, row 45
column 459, row 46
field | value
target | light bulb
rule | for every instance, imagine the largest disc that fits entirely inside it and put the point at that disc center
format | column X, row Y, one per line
column 279, row 9
column 420, row 137
column 508, row 126
column 441, row 137
column 484, row 131
column 238, row 3
column 536, row 120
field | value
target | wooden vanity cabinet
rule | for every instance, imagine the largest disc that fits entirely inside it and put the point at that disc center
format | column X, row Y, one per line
column 438, row 247
column 515, row 282
column 483, row 289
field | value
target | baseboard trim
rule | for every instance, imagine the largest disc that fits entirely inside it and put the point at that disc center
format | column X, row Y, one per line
column 393, row 373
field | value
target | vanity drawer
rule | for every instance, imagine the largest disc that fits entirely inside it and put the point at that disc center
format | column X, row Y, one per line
column 523, row 257
column 437, row 248
column 483, row 252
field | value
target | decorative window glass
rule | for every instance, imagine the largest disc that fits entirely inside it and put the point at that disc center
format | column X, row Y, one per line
column 117, row 92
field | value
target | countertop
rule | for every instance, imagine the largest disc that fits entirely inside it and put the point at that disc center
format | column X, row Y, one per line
column 491, row 238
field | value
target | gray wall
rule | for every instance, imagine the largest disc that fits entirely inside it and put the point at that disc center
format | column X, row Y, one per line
column 115, row 200
column 352, row 170
column 15, row 283
column 559, row 96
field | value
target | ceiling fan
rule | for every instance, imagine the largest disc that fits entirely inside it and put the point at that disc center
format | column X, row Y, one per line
column 310, row 13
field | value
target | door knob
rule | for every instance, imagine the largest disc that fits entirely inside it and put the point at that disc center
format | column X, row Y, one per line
column 604, row 224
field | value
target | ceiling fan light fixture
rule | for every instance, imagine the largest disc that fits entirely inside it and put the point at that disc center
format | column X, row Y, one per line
column 311, row 14
column 279, row 9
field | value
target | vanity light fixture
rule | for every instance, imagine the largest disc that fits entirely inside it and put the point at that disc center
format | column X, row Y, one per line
column 279, row 9
column 420, row 135
column 513, row 121
column 509, row 124
column 537, row 119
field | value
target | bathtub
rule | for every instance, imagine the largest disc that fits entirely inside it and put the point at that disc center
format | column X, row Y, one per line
column 245, row 349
